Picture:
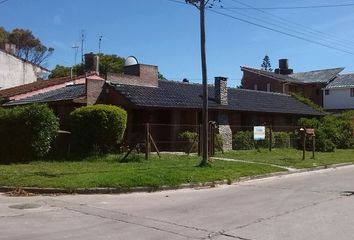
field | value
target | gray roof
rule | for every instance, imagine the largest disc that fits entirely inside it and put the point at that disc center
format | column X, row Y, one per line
column 171, row 94
column 316, row 76
column 342, row 81
column 66, row 93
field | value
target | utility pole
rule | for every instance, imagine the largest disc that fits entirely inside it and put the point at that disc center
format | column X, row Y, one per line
column 99, row 44
column 201, row 8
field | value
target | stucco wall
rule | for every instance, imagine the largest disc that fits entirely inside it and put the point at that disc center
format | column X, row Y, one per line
column 338, row 99
column 15, row 72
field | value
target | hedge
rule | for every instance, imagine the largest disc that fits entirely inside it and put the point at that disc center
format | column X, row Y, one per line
column 332, row 131
column 243, row 140
column 26, row 132
column 98, row 127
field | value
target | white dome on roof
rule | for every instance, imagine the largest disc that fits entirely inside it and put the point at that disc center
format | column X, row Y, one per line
column 131, row 60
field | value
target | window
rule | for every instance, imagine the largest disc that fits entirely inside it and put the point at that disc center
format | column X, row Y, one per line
column 268, row 87
column 352, row 92
column 327, row 92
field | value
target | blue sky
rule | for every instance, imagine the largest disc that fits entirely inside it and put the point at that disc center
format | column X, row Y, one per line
column 166, row 34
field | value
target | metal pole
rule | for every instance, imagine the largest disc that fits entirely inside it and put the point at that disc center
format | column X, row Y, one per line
column 99, row 45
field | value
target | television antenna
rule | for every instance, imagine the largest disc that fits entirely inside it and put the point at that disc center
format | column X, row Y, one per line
column 99, row 44
column 76, row 50
column 82, row 38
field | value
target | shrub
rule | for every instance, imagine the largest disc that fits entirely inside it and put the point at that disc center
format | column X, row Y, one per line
column 26, row 132
column 243, row 140
column 219, row 141
column 189, row 137
column 281, row 140
column 98, row 127
column 331, row 132
column 323, row 143
column 307, row 101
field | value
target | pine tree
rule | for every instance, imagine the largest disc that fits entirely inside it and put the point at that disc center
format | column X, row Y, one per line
column 266, row 66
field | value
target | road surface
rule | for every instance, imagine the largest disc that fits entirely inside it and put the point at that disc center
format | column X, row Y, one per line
column 310, row 205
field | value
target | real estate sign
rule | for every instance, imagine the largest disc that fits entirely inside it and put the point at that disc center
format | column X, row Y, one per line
column 259, row 133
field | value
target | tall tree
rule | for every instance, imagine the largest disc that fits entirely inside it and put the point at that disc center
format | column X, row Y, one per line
column 201, row 5
column 111, row 63
column 266, row 66
column 4, row 35
column 29, row 47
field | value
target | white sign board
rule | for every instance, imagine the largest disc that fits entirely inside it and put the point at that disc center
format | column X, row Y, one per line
column 259, row 133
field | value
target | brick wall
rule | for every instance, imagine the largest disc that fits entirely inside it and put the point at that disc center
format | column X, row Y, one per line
column 250, row 79
column 139, row 75
column 311, row 91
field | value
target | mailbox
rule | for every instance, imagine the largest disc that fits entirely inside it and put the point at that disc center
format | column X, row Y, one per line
column 310, row 131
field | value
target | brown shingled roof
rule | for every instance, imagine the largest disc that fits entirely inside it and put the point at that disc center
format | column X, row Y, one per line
column 40, row 84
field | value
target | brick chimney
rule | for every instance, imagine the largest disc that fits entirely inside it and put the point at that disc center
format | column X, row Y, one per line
column 221, row 90
column 148, row 74
column 92, row 63
column 284, row 67
column 94, row 89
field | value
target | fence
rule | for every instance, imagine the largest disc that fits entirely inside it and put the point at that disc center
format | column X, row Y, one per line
column 147, row 138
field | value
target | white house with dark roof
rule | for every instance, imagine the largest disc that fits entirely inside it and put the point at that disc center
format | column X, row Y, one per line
column 339, row 94
column 15, row 71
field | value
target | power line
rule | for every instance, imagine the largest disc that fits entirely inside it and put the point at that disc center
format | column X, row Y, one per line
column 305, row 32
column 296, row 7
column 306, row 28
column 282, row 32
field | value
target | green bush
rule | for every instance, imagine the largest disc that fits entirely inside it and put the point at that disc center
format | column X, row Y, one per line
column 26, row 132
column 98, row 128
column 331, row 131
column 281, row 140
column 243, row 140
column 189, row 137
column 219, row 141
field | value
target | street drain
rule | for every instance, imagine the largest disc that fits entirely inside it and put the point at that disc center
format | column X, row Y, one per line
column 347, row 193
column 25, row 206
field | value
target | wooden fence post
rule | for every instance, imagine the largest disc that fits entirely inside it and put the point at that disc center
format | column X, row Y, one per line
column 270, row 138
column 304, row 146
column 313, row 146
column 200, row 140
column 147, row 141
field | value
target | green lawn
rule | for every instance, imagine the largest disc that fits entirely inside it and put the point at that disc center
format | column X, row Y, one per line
column 292, row 157
column 170, row 170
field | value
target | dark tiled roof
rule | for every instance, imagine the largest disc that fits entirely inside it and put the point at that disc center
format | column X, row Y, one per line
column 180, row 95
column 276, row 76
column 40, row 84
column 61, row 94
column 342, row 81
column 317, row 76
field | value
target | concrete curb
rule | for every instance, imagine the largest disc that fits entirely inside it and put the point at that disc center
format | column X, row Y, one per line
column 35, row 190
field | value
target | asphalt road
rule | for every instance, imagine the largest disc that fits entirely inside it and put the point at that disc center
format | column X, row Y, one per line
column 298, row 206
